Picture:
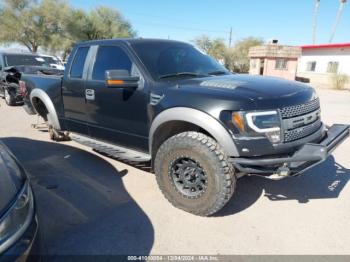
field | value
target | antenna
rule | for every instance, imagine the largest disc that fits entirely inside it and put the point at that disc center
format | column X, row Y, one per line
column 317, row 8
column 337, row 20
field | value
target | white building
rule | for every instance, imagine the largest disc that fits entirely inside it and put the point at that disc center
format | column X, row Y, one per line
column 319, row 63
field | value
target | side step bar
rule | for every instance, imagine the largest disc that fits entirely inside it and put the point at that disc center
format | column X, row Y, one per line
column 111, row 149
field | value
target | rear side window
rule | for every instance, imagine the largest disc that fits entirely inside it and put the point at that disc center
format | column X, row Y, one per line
column 108, row 58
column 77, row 68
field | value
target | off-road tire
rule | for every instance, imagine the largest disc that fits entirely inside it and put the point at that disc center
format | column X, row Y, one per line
column 221, row 180
column 9, row 99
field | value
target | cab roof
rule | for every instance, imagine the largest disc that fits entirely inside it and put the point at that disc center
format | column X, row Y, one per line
column 126, row 41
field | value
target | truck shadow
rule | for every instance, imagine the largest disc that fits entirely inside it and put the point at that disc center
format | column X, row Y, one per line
column 324, row 181
column 82, row 205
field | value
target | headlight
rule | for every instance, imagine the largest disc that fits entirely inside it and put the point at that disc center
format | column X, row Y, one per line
column 14, row 223
column 265, row 122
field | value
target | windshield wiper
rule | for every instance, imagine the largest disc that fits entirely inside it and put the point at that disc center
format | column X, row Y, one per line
column 180, row 74
column 219, row 72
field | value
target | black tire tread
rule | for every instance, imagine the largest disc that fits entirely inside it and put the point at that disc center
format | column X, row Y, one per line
column 228, row 177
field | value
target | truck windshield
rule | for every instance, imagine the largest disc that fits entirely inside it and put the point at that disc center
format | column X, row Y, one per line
column 174, row 59
column 29, row 60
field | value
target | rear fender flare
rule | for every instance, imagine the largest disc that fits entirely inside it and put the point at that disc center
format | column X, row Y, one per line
column 52, row 114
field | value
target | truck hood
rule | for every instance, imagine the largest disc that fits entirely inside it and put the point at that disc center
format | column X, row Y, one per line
column 263, row 91
column 12, row 178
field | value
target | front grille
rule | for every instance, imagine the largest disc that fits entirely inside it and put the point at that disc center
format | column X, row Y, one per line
column 298, row 110
column 296, row 120
column 301, row 132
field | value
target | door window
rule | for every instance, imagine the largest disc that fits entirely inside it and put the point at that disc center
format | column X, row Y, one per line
column 77, row 68
column 109, row 58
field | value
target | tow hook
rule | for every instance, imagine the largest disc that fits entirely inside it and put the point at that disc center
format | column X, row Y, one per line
column 281, row 173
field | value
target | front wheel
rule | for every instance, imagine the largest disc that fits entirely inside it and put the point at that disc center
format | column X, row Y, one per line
column 9, row 99
column 194, row 173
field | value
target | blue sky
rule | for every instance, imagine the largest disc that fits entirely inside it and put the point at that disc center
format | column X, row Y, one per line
column 288, row 21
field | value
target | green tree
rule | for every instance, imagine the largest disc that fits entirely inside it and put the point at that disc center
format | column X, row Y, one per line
column 31, row 23
column 100, row 23
column 237, row 56
column 213, row 47
column 55, row 26
column 203, row 42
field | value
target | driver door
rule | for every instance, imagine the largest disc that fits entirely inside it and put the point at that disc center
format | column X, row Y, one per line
column 116, row 115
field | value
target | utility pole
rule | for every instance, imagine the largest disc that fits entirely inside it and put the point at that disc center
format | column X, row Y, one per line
column 230, row 38
column 317, row 8
column 337, row 20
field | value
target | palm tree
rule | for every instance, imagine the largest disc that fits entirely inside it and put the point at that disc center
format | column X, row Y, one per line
column 337, row 20
column 317, row 8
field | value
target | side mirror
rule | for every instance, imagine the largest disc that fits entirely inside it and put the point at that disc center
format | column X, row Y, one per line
column 120, row 78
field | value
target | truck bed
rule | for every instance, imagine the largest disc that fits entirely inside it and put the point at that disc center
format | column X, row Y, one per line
column 51, row 84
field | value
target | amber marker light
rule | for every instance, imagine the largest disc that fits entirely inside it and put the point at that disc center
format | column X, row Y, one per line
column 115, row 82
column 238, row 121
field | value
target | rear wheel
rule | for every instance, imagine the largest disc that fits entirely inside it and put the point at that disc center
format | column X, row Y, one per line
column 55, row 135
column 9, row 99
column 194, row 173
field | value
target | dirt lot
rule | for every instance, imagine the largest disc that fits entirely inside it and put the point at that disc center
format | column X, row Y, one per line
column 90, row 204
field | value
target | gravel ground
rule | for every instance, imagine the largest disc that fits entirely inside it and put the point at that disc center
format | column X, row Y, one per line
column 90, row 204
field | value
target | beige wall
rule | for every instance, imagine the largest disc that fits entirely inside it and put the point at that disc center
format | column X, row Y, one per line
column 270, row 68
column 289, row 73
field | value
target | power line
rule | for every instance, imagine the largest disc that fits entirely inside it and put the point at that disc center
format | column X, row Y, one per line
column 183, row 27
column 337, row 20
column 161, row 24
column 179, row 19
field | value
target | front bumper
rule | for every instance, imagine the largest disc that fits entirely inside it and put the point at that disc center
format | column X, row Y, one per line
column 303, row 159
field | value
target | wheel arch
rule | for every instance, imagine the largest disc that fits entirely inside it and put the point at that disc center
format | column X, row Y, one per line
column 38, row 94
column 192, row 118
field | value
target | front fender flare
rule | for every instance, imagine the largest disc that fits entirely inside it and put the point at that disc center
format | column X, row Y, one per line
column 52, row 114
column 199, row 118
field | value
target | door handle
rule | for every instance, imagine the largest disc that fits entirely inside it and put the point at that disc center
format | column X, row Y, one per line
column 89, row 94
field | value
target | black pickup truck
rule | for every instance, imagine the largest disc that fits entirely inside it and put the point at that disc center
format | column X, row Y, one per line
column 200, row 126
